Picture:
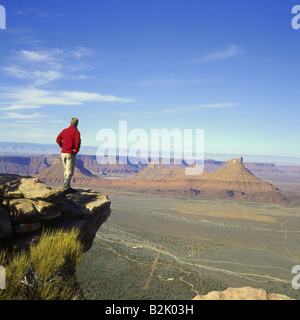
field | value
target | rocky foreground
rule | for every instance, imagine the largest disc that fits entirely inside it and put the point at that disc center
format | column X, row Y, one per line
column 28, row 206
column 244, row 293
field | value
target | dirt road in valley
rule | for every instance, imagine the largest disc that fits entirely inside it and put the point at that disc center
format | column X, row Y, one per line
column 235, row 243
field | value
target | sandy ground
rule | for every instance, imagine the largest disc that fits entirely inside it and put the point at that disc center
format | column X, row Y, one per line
column 205, row 245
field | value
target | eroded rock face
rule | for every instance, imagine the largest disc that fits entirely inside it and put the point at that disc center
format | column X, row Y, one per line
column 27, row 206
column 244, row 293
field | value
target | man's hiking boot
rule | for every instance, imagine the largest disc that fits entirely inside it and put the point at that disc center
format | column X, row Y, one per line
column 69, row 191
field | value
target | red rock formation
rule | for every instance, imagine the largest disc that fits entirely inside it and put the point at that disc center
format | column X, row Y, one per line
column 23, row 165
column 54, row 175
column 231, row 181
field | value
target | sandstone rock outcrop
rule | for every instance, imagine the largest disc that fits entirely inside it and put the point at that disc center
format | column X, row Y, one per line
column 23, row 165
column 244, row 293
column 231, row 181
column 27, row 206
column 54, row 175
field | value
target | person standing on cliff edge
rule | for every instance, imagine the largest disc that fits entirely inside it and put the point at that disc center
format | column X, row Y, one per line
column 69, row 140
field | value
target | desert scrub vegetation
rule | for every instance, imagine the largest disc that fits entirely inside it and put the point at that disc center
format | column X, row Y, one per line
column 46, row 271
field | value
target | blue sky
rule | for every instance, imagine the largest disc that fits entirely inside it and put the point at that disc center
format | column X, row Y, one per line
column 228, row 67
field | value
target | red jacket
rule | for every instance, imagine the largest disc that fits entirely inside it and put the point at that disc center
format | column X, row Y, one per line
column 69, row 140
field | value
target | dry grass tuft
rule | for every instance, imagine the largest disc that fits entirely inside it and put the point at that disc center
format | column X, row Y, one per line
column 46, row 271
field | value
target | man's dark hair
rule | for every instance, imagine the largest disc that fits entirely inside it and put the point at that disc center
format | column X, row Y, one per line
column 74, row 122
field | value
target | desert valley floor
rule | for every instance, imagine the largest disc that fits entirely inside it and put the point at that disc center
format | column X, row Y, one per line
column 162, row 247
column 170, row 236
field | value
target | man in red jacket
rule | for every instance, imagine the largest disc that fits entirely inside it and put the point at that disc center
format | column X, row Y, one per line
column 69, row 141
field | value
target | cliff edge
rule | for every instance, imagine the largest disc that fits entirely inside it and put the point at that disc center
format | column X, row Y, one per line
column 28, row 206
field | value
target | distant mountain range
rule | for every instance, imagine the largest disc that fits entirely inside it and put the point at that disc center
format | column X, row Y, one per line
column 25, row 148
column 233, row 179
column 36, row 164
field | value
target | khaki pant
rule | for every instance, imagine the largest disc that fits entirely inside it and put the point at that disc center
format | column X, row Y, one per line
column 68, row 161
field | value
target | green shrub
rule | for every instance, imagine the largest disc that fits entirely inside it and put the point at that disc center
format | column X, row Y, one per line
column 46, row 271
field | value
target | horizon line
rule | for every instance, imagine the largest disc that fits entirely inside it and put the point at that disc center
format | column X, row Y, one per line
column 207, row 155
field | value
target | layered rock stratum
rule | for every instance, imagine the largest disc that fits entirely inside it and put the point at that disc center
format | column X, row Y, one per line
column 23, row 165
column 28, row 206
column 34, row 165
column 231, row 181
column 54, row 175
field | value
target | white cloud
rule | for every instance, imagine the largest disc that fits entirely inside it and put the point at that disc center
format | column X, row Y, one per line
column 20, row 12
column 148, row 114
column 46, row 55
column 37, row 77
column 21, row 130
column 81, row 52
column 226, row 53
column 14, row 115
column 25, row 10
column 172, row 82
column 36, row 97
column 199, row 107
column 35, row 56
column 81, row 77
column 62, row 56
column 81, row 96
column 41, row 67
column 19, row 107
column 37, row 68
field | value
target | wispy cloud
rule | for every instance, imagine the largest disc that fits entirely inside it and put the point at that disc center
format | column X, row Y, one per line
column 38, row 56
column 226, row 53
column 33, row 130
column 150, row 114
column 19, row 107
column 81, row 52
column 170, row 83
column 25, row 10
column 41, row 67
column 37, row 77
column 37, row 68
column 31, row 96
column 15, row 115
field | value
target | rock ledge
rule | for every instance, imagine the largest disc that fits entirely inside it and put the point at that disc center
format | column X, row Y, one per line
column 27, row 206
